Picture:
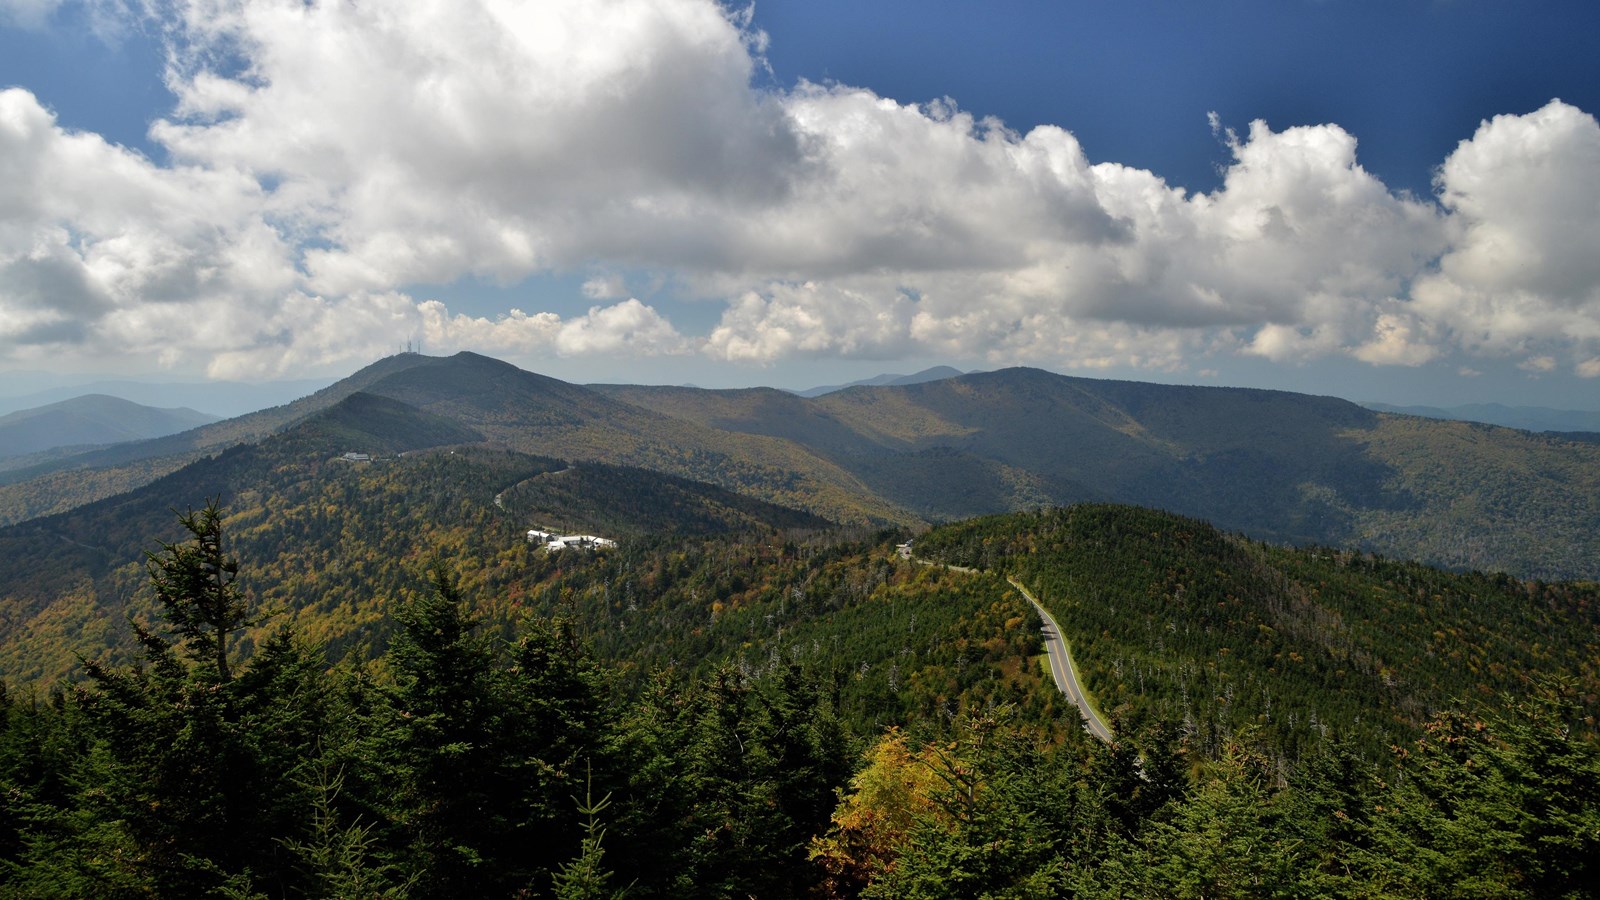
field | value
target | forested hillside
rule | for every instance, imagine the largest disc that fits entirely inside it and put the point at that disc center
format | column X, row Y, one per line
column 1173, row 620
column 330, row 537
column 376, row 686
column 1278, row 466
column 788, row 715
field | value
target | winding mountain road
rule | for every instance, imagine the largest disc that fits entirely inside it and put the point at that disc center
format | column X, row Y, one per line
column 1062, row 669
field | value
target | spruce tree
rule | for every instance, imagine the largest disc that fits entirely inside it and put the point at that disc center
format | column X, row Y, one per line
column 585, row 876
column 191, row 774
column 196, row 583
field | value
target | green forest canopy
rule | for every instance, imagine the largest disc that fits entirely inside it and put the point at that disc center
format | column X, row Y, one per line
column 760, row 716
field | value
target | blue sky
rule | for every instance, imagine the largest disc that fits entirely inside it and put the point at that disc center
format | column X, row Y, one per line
column 1378, row 200
column 1134, row 80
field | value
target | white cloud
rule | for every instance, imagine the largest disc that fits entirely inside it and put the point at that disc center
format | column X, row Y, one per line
column 367, row 325
column 1055, row 260
column 430, row 139
column 107, row 20
column 329, row 154
column 627, row 326
column 29, row 14
column 811, row 320
column 605, row 287
column 97, row 244
column 1589, row 368
column 1397, row 342
column 1523, row 270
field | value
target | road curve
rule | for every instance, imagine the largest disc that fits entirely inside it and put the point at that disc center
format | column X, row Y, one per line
column 1061, row 667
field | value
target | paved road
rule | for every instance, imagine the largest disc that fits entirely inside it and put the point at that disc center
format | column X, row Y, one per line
column 1055, row 649
column 1061, row 667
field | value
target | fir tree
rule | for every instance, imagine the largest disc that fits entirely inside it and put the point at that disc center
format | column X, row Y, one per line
column 585, row 877
column 196, row 583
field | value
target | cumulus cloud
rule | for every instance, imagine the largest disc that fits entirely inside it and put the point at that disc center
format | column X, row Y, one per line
column 629, row 325
column 811, row 320
column 309, row 332
column 1397, row 342
column 327, row 157
column 96, row 242
column 1300, row 252
column 425, row 140
column 1523, row 269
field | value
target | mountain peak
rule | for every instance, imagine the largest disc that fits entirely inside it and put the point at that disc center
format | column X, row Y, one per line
column 937, row 373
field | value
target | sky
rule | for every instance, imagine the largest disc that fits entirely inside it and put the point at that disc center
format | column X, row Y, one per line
column 1393, row 200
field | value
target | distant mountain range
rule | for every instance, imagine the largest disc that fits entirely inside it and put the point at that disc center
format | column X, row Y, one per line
column 94, row 419
column 220, row 398
column 1278, row 466
column 937, row 373
column 1528, row 418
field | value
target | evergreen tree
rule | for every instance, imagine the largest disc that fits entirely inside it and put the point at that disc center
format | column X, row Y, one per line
column 343, row 861
column 729, row 780
column 196, row 583
column 997, row 831
column 486, row 741
column 1505, row 804
column 585, row 876
column 448, row 798
column 1229, row 839
column 1335, row 801
column 190, row 774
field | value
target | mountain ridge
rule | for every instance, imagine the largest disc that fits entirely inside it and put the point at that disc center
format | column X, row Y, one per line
column 1273, row 464
column 934, row 373
column 1526, row 418
column 224, row 399
column 1276, row 465
column 59, row 484
column 91, row 420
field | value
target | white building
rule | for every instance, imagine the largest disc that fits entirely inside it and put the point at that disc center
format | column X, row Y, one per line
column 555, row 543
